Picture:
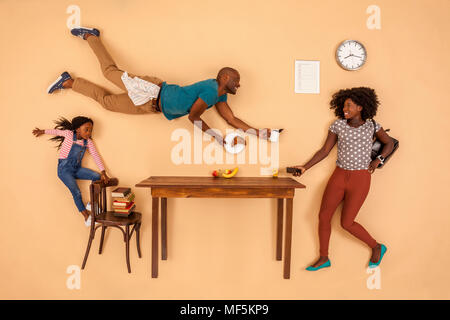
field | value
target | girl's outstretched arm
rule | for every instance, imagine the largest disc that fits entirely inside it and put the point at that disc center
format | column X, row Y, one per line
column 55, row 132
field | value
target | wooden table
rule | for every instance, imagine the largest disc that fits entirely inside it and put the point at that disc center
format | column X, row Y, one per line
column 210, row 187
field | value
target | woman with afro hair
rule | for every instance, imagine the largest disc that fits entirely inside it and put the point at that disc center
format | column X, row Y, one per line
column 350, row 182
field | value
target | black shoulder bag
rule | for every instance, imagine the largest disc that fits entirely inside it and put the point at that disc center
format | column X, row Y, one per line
column 377, row 147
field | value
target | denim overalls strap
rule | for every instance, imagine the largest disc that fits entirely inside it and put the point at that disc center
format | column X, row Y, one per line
column 76, row 154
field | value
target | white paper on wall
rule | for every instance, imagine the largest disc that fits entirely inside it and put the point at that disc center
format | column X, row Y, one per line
column 307, row 76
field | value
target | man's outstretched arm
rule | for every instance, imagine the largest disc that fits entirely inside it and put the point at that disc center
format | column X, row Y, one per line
column 197, row 110
column 225, row 112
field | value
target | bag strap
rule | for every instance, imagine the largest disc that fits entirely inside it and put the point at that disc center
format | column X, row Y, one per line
column 374, row 128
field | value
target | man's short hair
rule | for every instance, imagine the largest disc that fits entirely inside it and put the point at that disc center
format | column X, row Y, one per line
column 226, row 71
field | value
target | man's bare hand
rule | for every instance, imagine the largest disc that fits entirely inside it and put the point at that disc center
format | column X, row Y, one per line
column 221, row 141
column 264, row 133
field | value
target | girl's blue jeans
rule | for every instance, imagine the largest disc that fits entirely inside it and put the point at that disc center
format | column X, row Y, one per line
column 68, row 173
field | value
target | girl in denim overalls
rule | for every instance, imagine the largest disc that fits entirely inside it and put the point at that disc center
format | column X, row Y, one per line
column 75, row 137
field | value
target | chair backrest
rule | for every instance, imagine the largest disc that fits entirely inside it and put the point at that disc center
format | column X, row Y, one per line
column 98, row 196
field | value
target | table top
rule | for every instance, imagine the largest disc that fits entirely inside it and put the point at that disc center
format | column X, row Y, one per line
column 211, row 182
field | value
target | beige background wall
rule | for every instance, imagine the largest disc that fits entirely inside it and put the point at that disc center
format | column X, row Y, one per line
column 224, row 249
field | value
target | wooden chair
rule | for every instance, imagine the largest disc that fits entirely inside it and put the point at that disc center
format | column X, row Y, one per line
column 100, row 217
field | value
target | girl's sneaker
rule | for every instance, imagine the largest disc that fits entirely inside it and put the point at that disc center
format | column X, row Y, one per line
column 58, row 84
column 88, row 221
column 80, row 32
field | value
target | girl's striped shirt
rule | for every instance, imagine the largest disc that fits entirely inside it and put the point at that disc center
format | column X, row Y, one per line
column 67, row 145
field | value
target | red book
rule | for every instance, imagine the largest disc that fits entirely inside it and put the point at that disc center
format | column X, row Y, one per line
column 121, row 204
column 125, row 209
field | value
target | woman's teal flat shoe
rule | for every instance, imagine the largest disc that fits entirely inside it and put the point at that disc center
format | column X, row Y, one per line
column 383, row 251
column 323, row 265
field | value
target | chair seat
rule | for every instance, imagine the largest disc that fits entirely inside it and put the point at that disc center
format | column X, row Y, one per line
column 109, row 217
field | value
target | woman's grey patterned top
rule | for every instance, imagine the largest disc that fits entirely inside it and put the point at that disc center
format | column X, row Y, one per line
column 354, row 144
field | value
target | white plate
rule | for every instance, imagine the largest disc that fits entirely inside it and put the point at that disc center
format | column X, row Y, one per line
column 229, row 141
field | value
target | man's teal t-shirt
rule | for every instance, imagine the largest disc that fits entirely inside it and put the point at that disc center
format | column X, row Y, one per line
column 177, row 101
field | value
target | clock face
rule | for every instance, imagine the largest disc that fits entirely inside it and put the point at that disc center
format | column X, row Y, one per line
column 351, row 55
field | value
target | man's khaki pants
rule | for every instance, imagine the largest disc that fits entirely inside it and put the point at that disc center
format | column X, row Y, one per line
column 113, row 102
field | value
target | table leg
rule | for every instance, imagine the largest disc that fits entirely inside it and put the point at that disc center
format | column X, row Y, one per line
column 288, row 239
column 280, row 229
column 155, row 214
column 164, row 228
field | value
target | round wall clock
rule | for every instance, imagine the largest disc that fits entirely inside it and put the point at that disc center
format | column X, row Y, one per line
column 351, row 55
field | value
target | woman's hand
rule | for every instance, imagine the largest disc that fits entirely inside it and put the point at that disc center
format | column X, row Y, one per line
column 302, row 170
column 373, row 165
column 104, row 177
column 38, row 132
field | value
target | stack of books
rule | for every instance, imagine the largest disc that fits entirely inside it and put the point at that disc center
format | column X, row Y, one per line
column 123, row 202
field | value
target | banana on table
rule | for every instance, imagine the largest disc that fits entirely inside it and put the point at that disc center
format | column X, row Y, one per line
column 225, row 173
